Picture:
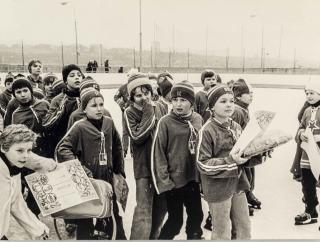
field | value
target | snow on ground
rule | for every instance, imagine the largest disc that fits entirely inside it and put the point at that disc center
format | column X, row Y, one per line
column 279, row 193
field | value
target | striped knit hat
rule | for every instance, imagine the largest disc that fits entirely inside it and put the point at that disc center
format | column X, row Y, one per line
column 89, row 82
column 57, row 86
column 216, row 92
column 240, row 87
column 183, row 89
column 87, row 94
column 136, row 80
column 38, row 93
column 49, row 78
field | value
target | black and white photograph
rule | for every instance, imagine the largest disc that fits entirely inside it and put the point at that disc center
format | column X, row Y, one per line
column 159, row 119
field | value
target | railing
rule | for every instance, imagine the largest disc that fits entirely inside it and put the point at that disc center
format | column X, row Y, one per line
column 115, row 69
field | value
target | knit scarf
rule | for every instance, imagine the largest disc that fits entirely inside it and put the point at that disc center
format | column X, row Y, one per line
column 315, row 104
column 72, row 93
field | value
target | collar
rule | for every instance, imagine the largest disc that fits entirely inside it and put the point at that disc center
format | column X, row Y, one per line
column 183, row 118
column 315, row 104
column 72, row 93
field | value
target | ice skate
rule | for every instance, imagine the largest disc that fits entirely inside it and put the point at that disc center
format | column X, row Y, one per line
column 253, row 201
column 208, row 224
column 306, row 218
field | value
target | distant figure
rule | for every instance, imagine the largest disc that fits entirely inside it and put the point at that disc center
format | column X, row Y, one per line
column 120, row 69
column 106, row 66
column 89, row 66
column 94, row 66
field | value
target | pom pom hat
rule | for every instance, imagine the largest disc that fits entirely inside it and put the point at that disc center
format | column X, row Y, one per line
column 183, row 89
column 216, row 92
column 137, row 80
column 313, row 84
column 87, row 94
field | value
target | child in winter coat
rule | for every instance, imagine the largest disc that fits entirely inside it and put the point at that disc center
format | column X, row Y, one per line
column 310, row 120
column 95, row 141
column 48, row 80
column 174, row 165
column 243, row 94
column 141, row 118
column 35, row 70
column 208, row 80
column 61, row 107
column 223, row 179
column 16, row 143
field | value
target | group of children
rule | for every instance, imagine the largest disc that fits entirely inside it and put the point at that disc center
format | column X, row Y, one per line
column 181, row 143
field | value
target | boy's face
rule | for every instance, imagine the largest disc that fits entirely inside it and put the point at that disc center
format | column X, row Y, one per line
column 224, row 106
column 209, row 82
column 23, row 95
column 142, row 95
column 94, row 108
column 180, row 106
column 18, row 153
column 74, row 78
column 8, row 85
column 312, row 96
column 48, row 87
column 36, row 68
column 246, row 98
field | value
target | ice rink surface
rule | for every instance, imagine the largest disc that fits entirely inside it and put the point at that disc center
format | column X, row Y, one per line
column 280, row 194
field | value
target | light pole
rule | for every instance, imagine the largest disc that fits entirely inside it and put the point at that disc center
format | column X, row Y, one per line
column 75, row 28
column 140, row 34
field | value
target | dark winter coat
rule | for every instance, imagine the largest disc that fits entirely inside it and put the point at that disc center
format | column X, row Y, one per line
column 141, row 124
column 201, row 105
column 12, row 105
column 83, row 141
column 172, row 164
column 57, row 118
column 314, row 125
column 32, row 116
column 241, row 113
column 221, row 177
column 5, row 98
column 36, row 83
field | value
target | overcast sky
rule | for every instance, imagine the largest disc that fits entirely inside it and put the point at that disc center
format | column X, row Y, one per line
column 180, row 24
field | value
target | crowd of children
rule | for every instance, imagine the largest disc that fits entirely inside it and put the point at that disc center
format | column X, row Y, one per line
column 180, row 141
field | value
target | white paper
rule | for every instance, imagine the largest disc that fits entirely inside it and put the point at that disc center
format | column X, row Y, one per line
column 257, row 125
column 62, row 188
column 312, row 150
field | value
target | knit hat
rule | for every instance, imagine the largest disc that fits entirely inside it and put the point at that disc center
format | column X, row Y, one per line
column 21, row 83
column 89, row 82
column 67, row 69
column 240, row 87
column 31, row 64
column 49, row 78
column 313, row 84
column 38, row 93
column 136, row 80
column 207, row 73
column 57, row 86
column 165, row 83
column 183, row 89
column 87, row 94
column 216, row 92
column 9, row 78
